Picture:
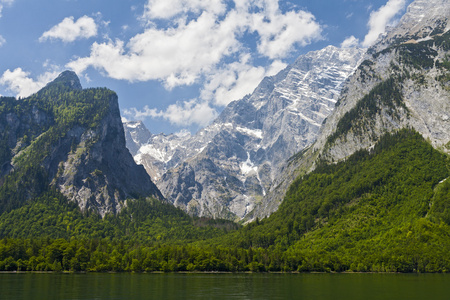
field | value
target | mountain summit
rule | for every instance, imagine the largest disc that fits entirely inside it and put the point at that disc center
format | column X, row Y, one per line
column 422, row 20
column 402, row 83
column 68, row 79
column 71, row 140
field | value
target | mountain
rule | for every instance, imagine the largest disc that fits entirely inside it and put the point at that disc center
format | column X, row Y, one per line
column 72, row 140
column 372, row 194
column 385, row 209
column 404, row 85
column 403, row 82
column 422, row 20
column 160, row 152
column 228, row 167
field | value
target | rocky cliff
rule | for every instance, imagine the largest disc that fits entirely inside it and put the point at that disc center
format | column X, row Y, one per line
column 72, row 140
column 403, row 82
column 228, row 167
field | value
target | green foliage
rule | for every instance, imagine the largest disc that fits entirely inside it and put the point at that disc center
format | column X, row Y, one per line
column 440, row 209
column 38, row 123
column 148, row 221
column 369, row 213
column 386, row 210
column 417, row 55
column 386, row 94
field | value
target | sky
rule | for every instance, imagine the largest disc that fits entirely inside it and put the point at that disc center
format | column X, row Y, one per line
column 175, row 64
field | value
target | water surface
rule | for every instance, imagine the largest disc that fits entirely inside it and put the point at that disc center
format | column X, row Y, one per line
column 224, row 286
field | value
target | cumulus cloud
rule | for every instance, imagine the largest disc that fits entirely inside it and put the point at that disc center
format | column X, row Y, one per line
column 193, row 47
column 69, row 30
column 350, row 42
column 230, row 83
column 181, row 114
column 166, row 9
column 20, row 82
column 381, row 18
column 280, row 32
column 204, row 42
column 236, row 80
column 177, row 56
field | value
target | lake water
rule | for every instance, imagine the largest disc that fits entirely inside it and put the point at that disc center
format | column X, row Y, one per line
column 224, row 286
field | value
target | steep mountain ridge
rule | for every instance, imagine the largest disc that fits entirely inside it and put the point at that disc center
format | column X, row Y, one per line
column 419, row 72
column 402, row 83
column 70, row 139
column 423, row 19
column 227, row 167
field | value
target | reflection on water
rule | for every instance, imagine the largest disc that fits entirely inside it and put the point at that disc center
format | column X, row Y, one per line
column 224, row 286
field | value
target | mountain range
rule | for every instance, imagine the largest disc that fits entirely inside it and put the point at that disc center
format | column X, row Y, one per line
column 324, row 107
column 241, row 165
column 338, row 163
column 225, row 169
column 403, row 82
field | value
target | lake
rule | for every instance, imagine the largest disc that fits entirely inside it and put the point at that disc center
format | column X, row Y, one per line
column 224, row 286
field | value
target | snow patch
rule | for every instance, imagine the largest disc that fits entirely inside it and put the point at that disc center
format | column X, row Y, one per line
column 247, row 167
column 133, row 125
column 153, row 152
column 253, row 132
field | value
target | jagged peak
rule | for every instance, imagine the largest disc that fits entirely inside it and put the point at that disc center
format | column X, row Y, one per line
column 330, row 52
column 423, row 18
column 68, row 79
column 136, row 125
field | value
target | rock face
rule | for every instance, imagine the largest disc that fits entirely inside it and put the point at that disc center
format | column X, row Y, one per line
column 228, row 167
column 403, row 82
column 424, row 18
column 415, row 59
column 79, row 144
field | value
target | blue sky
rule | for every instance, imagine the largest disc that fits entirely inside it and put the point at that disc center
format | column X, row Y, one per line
column 175, row 64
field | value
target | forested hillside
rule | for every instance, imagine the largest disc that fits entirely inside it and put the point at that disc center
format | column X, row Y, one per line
column 382, row 210
column 68, row 139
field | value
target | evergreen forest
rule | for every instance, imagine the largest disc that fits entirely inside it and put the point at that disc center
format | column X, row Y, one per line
column 383, row 210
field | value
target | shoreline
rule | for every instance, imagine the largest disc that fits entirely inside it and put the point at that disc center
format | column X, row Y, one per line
column 210, row 272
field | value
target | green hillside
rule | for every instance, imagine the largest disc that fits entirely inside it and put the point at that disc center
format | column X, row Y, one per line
column 31, row 128
column 62, row 123
column 384, row 210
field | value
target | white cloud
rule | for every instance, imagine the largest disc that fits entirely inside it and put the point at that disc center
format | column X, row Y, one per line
column 69, row 30
column 206, row 42
column 3, row 3
column 381, row 18
column 275, row 67
column 181, row 114
column 231, row 83
column 166, row 9
column 178, row 56
column 279, row 33
column 236, row 80
column 19, row 82
column 2, row 41
column 350, row 42
column 193, row 47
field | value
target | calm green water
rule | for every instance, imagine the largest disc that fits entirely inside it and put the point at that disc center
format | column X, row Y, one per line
column 224, row 286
